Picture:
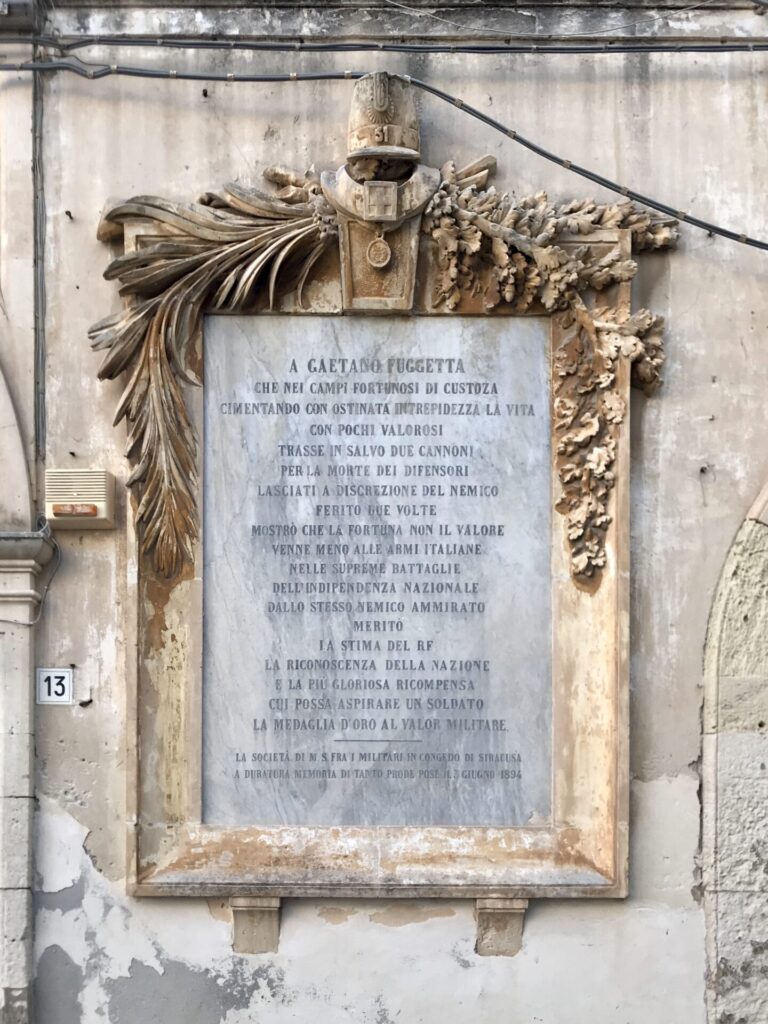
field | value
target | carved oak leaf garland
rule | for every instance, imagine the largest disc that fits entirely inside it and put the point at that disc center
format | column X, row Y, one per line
column 488, row 243
column 587, row 413
column 224, row 248
column 219, row 254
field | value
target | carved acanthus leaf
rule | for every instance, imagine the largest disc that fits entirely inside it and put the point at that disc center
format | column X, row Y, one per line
column 219, row 255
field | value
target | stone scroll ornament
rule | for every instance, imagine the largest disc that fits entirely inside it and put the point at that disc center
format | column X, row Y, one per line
column 237, row 247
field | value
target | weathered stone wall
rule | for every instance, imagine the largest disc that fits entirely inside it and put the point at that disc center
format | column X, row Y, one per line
column 735, row 771
column 684, row 128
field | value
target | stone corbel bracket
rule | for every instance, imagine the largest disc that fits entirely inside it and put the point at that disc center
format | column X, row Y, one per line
column 255, row 923
column 499, row 926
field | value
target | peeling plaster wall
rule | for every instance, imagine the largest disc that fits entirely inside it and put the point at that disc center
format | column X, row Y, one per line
column 684, row 128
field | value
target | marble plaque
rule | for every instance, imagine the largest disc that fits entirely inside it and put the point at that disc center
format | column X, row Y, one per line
column 377, row 535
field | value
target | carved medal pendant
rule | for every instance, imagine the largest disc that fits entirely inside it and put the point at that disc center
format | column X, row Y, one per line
column 379, row 253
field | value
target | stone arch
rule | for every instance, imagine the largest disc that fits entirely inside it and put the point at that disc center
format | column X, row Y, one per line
column 735, row 778
column 15, row 494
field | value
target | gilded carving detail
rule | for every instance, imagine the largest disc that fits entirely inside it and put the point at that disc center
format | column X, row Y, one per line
column 237, row 245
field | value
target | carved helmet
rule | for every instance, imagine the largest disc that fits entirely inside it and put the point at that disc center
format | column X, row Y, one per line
column 382, row 119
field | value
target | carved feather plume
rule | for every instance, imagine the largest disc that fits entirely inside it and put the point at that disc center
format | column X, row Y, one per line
column 216, row 256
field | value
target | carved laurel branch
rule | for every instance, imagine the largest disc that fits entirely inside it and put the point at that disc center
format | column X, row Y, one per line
column 507, row 251
column 219, row 254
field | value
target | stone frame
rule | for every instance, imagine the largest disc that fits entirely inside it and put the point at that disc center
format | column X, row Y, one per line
column 584, row 853
column 433, row 243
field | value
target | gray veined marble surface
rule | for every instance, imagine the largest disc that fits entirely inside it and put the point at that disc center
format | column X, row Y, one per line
column 377, row 521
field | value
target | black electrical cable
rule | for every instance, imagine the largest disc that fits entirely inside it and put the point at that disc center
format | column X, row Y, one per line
column 94, row 71
column 586, row 173
column 86, row 70
column 544, row 46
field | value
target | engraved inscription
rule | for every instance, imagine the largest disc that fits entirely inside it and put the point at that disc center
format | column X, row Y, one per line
column 377, row 572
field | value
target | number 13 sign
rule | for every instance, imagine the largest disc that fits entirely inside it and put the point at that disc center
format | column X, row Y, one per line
column 54, row 686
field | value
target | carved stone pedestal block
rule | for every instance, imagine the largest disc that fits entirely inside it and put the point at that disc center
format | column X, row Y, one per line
column 255, row 924
column 499, row 926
